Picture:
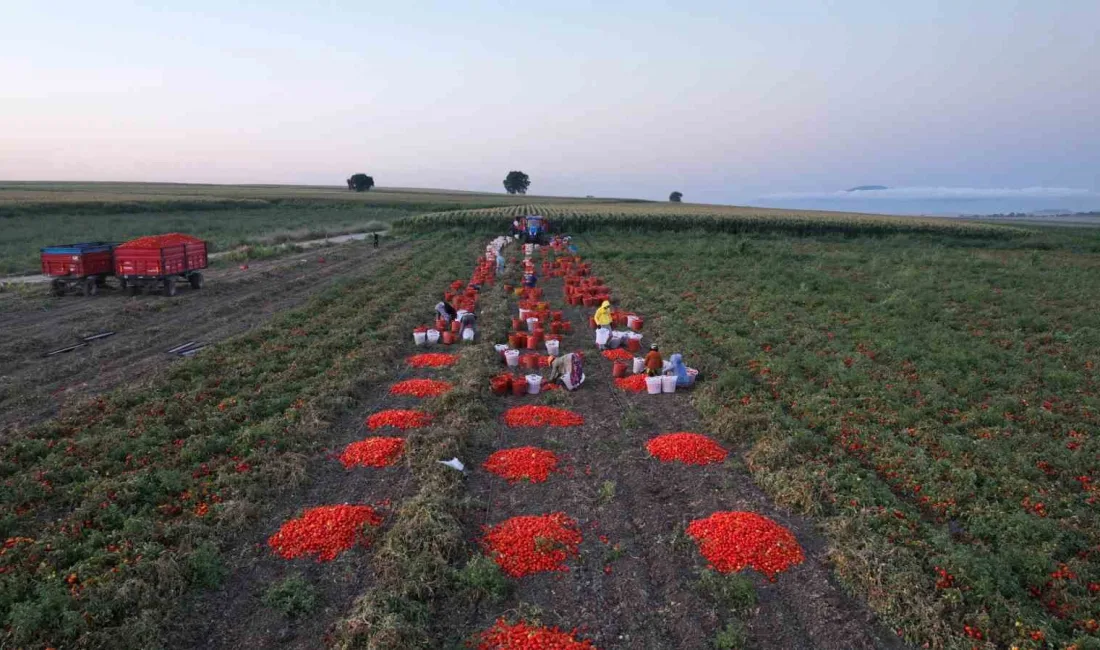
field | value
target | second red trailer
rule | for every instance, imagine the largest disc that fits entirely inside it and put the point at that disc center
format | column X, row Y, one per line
column 160, row 261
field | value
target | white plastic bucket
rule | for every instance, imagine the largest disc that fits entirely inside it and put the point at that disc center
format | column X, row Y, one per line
column 534, row 383
column 552, row 347
column 512, row 358
column 639, row 365
column 433, row 336
column 653, row 385
column 630, row 319
column 668, row 383
column 420, row 338
column 634, row 335
column 614, row 340
column 569, row 385
column 468, row 334
column 524, row 314
column 531, row 323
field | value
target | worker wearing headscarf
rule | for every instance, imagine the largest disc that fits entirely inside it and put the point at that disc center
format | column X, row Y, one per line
column 654, row 364
column 603, row 315
column 446, row 311
column 569, row 368
column 500, row 262
column 680, row 370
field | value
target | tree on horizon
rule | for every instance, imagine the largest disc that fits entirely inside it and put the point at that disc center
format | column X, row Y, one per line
column 517, row 182
column 360, row 182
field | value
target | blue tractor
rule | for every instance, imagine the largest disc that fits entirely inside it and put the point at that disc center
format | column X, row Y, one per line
column 535, row 229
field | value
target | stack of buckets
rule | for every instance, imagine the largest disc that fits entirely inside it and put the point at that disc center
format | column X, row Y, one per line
column 590, row 292
column 532, row 316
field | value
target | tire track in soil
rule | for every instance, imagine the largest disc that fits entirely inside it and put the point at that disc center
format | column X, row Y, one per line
column 649, row 598
column 33, row 388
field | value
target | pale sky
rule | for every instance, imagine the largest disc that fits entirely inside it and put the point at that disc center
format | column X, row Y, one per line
column 724, row 100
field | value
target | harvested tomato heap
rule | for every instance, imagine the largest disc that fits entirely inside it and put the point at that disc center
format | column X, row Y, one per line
column 633, row 383
column 522, row 636
column 522, row 463
column 531, row 544
column 400, row 418
column 541, row 416
column 431, row 360
column 373, row 452
column 618, row 354
column 160, row 241
column 325, row 531
column 732, row 541
column 421, row 387
column 689, row 448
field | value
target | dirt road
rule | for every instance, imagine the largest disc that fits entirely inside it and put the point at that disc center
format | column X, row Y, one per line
column 33, row 387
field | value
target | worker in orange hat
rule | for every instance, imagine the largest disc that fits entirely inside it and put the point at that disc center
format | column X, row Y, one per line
column 654, row 364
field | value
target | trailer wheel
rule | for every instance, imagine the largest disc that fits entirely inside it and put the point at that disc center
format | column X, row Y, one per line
column 196, row 280
column 57, row 287
column 101, row 280
column 170, row 286
column 90, row 287
column 122, row 284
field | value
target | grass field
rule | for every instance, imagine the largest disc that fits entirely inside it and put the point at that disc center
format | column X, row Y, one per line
column 224, row 229
column 33, row 215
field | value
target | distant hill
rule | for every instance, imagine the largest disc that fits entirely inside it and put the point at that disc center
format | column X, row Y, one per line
column 864, row 188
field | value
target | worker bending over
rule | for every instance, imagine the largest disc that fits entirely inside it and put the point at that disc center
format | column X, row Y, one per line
column 569, row 368
column 654, row 364
column 446, row 311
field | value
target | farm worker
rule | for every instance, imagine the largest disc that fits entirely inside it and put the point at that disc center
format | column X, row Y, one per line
column 446, row 311
column 654, row 364
column 500, row 263
column 376, row 240
column 680, row 370
column 530, row 279
column 603, row 315
column 568, row 368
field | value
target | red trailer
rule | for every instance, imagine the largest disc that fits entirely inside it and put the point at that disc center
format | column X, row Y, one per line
column 84, row 266
column 159, row 262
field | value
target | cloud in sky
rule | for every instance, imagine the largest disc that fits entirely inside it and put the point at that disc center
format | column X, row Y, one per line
column 933, row 193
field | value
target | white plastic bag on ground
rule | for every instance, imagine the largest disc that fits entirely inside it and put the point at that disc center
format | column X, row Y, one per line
column 468, row 334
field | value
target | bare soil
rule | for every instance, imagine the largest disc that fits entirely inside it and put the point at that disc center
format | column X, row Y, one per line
column 34, row 387
column 648, row 597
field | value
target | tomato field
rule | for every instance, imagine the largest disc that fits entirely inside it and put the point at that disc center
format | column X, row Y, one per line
column 892, row 445
column 932, row 404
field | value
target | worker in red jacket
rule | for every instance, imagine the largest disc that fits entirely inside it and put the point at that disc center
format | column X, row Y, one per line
column 654, row 364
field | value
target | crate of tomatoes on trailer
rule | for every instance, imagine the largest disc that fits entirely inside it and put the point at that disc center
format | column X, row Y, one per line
column 160, row 262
